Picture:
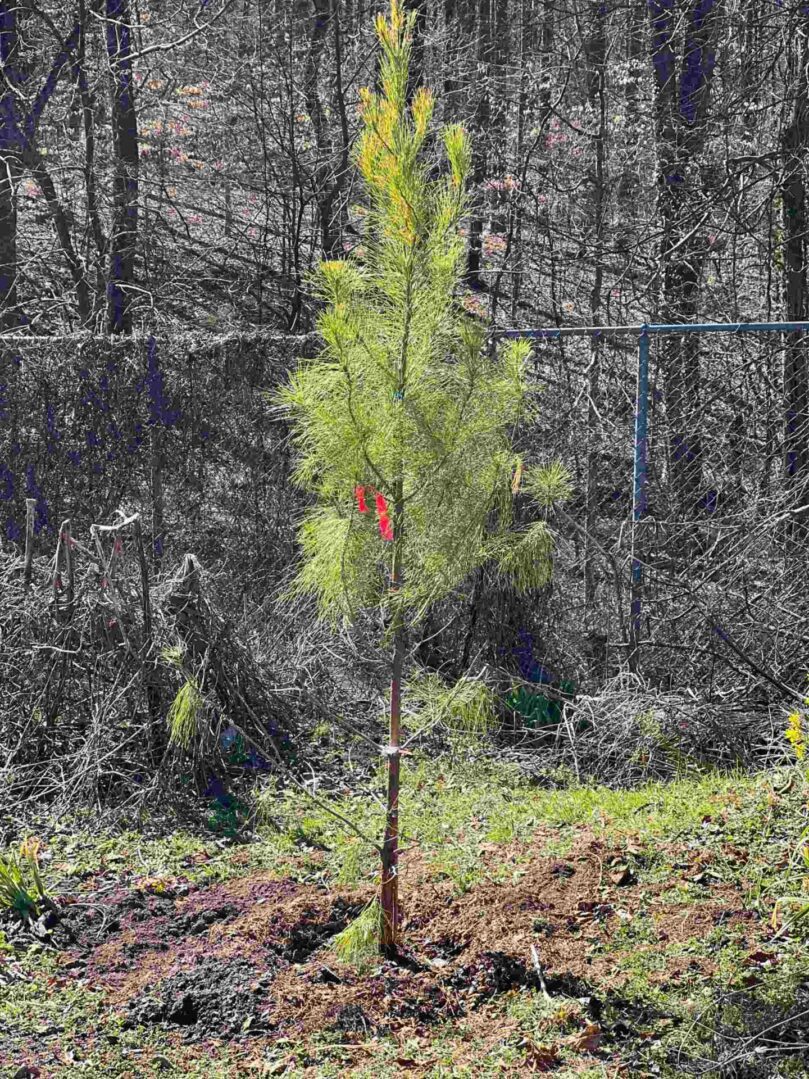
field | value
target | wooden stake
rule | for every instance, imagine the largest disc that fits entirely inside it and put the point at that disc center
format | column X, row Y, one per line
column 64, row 572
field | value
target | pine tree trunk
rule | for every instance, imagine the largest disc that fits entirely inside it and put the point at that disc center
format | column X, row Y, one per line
column 389, row 930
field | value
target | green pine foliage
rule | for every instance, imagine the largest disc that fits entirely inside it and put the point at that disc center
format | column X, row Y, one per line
column 359, row 941
column 405, row 398
column 467, row 707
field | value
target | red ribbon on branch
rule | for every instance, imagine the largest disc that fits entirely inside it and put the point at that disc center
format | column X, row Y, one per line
column 382, row 512
column 385, row 527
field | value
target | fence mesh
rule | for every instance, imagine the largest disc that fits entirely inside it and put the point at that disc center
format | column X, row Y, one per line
column 180, row 431
column 178, row 428
column 723, row 541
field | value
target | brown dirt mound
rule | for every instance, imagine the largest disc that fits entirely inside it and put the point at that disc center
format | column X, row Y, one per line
column 249, row 955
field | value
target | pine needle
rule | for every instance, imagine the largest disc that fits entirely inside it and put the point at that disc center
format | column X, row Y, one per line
column 467, row 706
column 358, row 943
column 526, row 557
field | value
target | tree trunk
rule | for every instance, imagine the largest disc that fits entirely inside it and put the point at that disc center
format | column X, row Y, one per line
column 548, row 37
column 390, row 917
column 597, row 66
column 124, row 232
column 794, row 144
column 12, row 77
column 95, row 233
column 327, row 186
column 480, row 134
column 415, row 76
column 37, row 167
column 681, row 129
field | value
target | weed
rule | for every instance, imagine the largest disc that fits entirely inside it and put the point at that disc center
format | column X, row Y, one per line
column 795, row 735
column 228, row 816
column 21, row 887
column 460, row 863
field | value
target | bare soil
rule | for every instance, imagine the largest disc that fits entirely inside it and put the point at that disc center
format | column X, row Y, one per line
column 248, row 960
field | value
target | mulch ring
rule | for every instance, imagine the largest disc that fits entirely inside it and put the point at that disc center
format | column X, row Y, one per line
column 250, row 957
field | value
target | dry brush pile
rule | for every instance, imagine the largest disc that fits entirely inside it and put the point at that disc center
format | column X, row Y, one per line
column 94, row 656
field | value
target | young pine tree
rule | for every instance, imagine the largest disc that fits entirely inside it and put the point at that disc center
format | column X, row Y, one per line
column 404, row 420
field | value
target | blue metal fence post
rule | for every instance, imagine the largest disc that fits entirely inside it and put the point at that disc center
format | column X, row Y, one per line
column 639, row 495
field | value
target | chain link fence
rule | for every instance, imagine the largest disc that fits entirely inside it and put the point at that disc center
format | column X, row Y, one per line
column 721, row 540
column 180, row 431
column 177, row 428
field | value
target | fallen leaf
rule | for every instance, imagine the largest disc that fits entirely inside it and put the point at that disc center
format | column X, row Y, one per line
column 542, row 1058
column 589, row 1041
column 621, row 874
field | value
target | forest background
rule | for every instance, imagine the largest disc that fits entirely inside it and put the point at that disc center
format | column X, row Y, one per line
column 176, row 726
column 175, row 171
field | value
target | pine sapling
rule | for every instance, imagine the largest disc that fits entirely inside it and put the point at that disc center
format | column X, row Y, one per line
column 404, row 422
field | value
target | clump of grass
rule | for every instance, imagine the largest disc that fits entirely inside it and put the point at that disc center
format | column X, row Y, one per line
column 183, row 714
column 173, row 656
column 461, row 864
column 21, row 886
column 358, row 943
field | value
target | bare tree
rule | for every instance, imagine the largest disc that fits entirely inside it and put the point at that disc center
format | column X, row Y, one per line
column 794, row 147
column 124, row 228
column 682, row 108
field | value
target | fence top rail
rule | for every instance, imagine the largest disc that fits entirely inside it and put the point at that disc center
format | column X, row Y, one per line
column 655, row 327
column 162, row 335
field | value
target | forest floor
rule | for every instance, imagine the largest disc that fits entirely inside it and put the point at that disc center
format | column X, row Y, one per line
column 576, row 932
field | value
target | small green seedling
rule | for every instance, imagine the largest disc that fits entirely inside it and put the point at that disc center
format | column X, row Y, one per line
column 21, row 887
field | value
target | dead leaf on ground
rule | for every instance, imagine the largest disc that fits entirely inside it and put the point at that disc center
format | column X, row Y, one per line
column 540, row 1058
column 588, row 1041
column 621, row 874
